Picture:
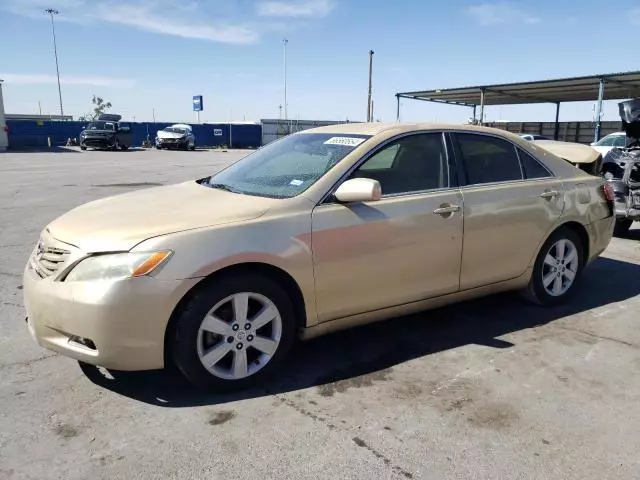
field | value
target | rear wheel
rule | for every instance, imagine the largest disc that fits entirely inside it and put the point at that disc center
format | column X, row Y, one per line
column 557, row 268
column 82, row 147
column 124, row 147
column 622, row 227
column 233, row 333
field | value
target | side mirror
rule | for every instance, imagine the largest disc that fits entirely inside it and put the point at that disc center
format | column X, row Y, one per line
column 592, row 143
column 359, row 190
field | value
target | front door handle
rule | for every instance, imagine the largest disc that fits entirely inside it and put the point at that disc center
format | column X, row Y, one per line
column 549, row 194
column 446, row 210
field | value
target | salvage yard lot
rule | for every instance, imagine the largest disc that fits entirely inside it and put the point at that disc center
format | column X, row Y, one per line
column 491, row 389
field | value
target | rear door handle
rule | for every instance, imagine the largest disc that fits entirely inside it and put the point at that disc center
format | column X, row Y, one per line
column 549, row 194
column 446, row 210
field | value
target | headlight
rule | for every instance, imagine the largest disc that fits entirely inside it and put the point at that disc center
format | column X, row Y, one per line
column 117, row 265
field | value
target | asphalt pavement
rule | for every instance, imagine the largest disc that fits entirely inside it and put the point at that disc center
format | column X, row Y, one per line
column 489, row 389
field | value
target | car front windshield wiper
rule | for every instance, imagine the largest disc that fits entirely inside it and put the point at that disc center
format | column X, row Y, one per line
column 222, row 186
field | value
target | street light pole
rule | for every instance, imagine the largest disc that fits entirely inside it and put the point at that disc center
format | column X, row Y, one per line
column 285, row 42
column 51, row 13
column 369, row 106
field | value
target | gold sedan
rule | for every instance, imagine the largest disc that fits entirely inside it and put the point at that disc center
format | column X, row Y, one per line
column 321, row 230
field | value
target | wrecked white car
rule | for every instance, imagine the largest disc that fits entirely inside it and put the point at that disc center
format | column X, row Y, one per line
column 178, row 136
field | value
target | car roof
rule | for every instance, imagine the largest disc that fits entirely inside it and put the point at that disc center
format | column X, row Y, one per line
column 395, row 128
column 616, row 134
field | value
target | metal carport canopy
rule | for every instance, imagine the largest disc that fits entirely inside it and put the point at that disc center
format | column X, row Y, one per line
column 610, row 86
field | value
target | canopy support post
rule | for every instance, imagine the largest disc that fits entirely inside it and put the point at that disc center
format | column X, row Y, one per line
column 596, row 136
column 556, row 128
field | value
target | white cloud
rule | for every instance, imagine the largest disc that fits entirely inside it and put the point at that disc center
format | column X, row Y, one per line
column 299, row 8
column 144, row 17
column 157, row 16
column 487, row 14
column 37, row 79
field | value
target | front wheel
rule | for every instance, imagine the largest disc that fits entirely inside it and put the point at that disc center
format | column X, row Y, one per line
column 233, row 333
column 82, row 147
column 622, row 227
column 557, row 268
column 124, row 147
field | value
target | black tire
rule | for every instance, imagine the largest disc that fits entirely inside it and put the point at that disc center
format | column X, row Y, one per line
column 622, row 226
column 82, row 147
column 535, row 291
column 124, row 147
column 183, row 337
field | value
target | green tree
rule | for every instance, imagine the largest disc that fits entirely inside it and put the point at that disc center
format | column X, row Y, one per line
column 99, row 107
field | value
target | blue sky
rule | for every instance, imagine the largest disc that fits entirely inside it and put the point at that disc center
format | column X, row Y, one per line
column 155, row 54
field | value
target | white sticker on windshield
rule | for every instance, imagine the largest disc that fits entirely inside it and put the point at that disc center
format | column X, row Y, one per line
column 296, row 183
column 346, row 141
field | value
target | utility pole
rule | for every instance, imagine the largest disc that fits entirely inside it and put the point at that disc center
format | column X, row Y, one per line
column 369, row 112
column 51, row 13
column 39, row 107
column 280, row 115
column 153, row 112
column 285, row 42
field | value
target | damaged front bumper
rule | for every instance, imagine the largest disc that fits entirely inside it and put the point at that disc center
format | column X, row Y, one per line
column 98, row 142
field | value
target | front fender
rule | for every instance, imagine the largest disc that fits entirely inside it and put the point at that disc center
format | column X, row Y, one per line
column 283, row 242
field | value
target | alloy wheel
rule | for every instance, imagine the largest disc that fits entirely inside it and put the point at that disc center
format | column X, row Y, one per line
column 239, row 335
column 560, row 267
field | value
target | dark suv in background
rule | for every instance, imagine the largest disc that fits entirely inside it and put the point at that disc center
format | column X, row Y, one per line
column 107, row 132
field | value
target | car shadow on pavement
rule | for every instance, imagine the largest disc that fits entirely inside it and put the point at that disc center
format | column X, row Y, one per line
column 53, row 149
column 345, row 359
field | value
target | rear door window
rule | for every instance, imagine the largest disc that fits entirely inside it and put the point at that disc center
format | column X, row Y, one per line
column 487, row 159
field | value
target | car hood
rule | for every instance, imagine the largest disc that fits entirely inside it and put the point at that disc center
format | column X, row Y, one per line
column 163, row 134
column 119, row 223
column 572, row 152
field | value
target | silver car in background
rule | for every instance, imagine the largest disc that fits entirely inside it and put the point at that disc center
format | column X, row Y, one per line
column 178, row 136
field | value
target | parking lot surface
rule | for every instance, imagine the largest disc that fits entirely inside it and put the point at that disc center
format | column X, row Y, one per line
column 489, row 389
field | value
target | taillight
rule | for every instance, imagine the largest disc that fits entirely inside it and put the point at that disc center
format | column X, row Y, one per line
column 609, row 194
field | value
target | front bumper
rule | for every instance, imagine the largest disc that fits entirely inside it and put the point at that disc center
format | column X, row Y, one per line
column 98, row 142
column 170, row 143
column 125, row 320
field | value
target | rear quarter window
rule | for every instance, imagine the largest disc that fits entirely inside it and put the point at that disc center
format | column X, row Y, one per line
column 531, row 167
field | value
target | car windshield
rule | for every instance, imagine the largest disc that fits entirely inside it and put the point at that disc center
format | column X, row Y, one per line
column 287, row 167
column 175, row 130
column 100, row 126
